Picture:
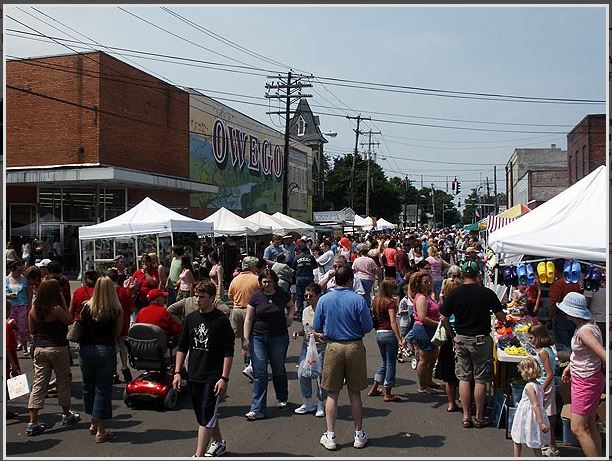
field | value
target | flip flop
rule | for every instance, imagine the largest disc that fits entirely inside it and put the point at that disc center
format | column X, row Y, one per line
column 105, row 438
column 375, row 393
column 567, row 271
column 576, row 269
column 588, row 286
column 514, row 276
column 550, row 272
column 596, row 279
column 394, row 398
column 507, row 275
column 521, row 273
column 467, row 423
column 453, row 410
column 542, row 272
column 530, row 274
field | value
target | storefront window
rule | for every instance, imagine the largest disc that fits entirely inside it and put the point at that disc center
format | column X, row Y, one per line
column 23, row 220
column 50, row 205
column 79, row 205
column 113, row 201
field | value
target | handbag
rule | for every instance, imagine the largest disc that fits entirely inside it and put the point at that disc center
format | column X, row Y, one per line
column 439, row 336
column 75, row 332
column 17, row 386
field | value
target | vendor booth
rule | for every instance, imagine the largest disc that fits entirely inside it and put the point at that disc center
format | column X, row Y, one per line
column 138, row 229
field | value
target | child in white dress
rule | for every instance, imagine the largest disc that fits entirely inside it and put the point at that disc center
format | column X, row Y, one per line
column 530, row 425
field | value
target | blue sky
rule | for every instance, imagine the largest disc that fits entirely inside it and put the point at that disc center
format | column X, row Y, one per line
column 555, row 52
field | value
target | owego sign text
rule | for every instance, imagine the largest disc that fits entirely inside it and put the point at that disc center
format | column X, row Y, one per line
column 232, row 145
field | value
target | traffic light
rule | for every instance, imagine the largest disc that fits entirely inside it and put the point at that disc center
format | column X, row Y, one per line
column 458, row 188
column 454, row 184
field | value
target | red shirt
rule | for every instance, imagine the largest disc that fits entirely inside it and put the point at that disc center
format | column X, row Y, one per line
column 127, row 303
column 81, row 295
column 382, row 314
column 140, row 276
column 158, row 315
column 389, row 254
column 401, row 261
column 11, row 339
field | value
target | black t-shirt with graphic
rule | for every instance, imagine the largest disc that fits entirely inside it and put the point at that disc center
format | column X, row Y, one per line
column 472, row 305
column 304, row 265
column 270, row 312
column 209, row 338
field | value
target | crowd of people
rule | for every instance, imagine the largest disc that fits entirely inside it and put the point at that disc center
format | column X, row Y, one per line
column 405, row 286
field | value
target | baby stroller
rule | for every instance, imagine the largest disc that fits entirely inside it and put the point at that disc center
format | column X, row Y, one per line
column 149, row 350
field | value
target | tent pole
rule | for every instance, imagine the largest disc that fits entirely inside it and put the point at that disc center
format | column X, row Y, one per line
column 80, row 260
column 172, row 238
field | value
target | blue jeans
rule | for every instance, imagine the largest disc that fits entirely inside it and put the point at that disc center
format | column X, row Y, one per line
column 300, row 286
column 387, row 343
column 98, row 364
column 563, row 329
column 171, row 289
column 367, row 287
column 266, row 348
column 437, row 287
column 306, row 381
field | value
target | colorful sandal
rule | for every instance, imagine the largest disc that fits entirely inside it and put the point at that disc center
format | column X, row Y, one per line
column 596, row 279
column 542, row 276
column 588, row 286
column 567, row 271
column 550, row 272
column 531, row 278
column 521, row 273
column 576, row 270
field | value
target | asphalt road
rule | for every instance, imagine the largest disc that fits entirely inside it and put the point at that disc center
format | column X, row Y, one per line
column 416, row 427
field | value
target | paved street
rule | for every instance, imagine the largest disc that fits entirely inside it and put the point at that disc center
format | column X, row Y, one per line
column 418, row 427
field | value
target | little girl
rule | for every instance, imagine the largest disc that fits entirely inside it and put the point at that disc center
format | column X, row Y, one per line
column 540, row 338
column 405, row 314
column 530, row 425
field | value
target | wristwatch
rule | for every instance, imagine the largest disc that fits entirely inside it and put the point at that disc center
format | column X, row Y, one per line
column 225, row 379
column 177, row 372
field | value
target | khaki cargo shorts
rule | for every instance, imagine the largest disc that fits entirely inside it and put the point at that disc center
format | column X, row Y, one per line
column 345, row 360
column 474, row 358
column 237, row 317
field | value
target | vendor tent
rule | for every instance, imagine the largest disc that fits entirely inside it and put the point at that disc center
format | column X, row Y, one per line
column 362, row 222
column 293, row 225
column 264, row 219
column 383, row 224
column 148, row 217
column 515, row 211
column 570, row 225
column 226, row 222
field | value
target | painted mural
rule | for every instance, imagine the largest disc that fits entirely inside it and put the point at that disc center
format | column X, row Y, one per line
column 244, row 158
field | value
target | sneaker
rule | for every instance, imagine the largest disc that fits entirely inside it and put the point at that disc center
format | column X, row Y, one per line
column 320, row 410
column 328, row 442
column 254, row 415
column 71, row 418
column 248, row 372
column 281, row 404
column 216, row 448
column 547, row 452
column 35, row 429
column 360, row 440
column 306, row 408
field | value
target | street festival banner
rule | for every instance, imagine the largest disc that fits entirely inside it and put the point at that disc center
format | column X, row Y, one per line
column 244, row 158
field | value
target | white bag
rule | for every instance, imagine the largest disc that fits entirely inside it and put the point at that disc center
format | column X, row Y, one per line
column 312, row 361
column 18, row 386
column 439, row 336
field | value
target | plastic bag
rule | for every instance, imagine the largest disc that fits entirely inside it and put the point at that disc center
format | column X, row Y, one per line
column 312, row 361
column 439, row 336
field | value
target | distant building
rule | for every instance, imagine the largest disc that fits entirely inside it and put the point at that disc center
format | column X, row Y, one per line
column 586, row 146
column 534, row 176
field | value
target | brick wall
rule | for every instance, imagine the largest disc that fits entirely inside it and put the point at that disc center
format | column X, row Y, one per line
column 167, row 198
column 586, row 146
column 148, row 132
column 544, row 185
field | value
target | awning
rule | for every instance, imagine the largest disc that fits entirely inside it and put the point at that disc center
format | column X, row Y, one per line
column 514, row 212
column 471, row 227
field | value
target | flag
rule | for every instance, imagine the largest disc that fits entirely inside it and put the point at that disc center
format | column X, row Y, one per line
column 477, row 212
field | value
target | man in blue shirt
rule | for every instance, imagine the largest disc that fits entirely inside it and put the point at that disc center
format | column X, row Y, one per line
column 273, row 250
column 344, row 318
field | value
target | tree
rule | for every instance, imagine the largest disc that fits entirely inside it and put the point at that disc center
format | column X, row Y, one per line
column 384, row 196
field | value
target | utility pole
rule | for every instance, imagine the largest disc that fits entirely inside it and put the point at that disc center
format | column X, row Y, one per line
column 406, row 203
column 370, row 144
column 495, row 189
column 293, row 93
column 359, row 118
column 421, row 181
column 446, row 187
column 433, row 205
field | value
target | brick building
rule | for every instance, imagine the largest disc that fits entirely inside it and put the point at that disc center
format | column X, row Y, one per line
column 89, row 136
column 586, row 146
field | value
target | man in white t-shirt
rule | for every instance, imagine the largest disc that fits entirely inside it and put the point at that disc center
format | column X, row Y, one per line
column 326, row 260
column 328, row 281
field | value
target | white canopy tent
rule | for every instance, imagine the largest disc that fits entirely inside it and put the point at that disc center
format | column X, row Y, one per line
column 228, row 223
column 383, row 224
column 264, row 219
column 571, row 225
column 294, row 225
column 362, row 222
column 148, row 217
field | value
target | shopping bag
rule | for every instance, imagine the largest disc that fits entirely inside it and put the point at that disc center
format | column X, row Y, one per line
column 439, row 336
column 75, row 332
column 18, row 386
column 312, row 361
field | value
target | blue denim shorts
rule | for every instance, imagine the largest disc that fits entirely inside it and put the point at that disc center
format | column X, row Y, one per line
column 422, row 336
